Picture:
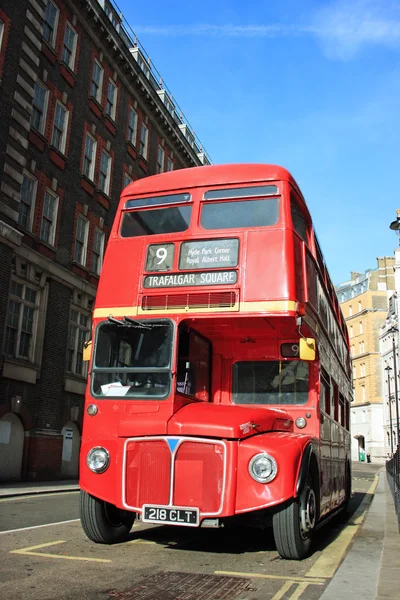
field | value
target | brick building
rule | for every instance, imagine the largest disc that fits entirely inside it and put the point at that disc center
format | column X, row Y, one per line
column 82, row 113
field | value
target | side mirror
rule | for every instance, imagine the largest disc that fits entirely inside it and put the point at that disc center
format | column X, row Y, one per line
column 87, row 351
column 307, row 348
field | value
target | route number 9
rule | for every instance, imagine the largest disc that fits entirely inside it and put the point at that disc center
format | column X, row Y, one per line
column 161, row 254
column 160, row 257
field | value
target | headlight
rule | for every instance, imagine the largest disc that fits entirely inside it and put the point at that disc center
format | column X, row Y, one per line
column 263, row 468
column 98, row 459
column 301, row 422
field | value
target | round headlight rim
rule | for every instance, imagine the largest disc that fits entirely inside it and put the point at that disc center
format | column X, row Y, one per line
column 106, row 463
column 301, row 422
column 274, row 464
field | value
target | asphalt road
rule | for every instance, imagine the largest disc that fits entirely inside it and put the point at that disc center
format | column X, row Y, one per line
column 53, row 558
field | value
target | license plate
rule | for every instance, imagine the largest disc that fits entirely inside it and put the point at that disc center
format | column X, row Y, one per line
column 172, row 515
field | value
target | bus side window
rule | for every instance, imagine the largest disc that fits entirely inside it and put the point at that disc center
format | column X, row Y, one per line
column 299, row 221
column 325, row 395
column 342, row 414
column 335, row 402
column 347, row 405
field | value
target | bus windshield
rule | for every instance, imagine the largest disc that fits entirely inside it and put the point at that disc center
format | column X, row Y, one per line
column 132, row 359
column 270, row 382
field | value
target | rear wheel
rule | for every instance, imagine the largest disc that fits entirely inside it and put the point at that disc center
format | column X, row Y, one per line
column 294, row 524
column 102, row 522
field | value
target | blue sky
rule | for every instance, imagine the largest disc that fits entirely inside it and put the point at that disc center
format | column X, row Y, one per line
column 313, row 86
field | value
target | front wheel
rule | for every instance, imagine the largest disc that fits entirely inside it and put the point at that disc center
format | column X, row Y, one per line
column 102, row 522
column 294, row 524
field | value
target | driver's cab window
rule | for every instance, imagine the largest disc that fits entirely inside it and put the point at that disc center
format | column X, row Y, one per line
column 194, row 360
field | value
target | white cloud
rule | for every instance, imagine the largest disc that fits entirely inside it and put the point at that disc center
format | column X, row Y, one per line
column 342, row 28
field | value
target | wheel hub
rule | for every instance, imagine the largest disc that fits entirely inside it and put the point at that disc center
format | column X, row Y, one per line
column 307, row 511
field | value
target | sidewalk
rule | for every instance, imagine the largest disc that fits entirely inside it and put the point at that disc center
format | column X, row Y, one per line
column 26, row 488
column 371, row 569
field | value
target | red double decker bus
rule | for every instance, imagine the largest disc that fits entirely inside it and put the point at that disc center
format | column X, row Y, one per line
column 219, row 382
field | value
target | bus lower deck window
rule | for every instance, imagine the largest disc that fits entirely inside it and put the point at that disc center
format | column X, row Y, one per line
column 270, row 382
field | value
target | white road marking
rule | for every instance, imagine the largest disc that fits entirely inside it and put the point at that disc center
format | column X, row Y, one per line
column 38, row 526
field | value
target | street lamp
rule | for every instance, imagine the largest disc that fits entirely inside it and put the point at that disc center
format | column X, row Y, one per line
column 388, row 369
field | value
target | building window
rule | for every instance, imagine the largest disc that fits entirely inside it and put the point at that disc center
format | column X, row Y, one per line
column 160, row 159
column 69, row 48
column 361, row 327
column 144, row 136
column 97, row 81
column 49, row 218
column 350, row 310
column 60, row 126
column 50, row 22
column 132, row 126
column 78, row 334
column 361, row 347
column 105, row 168
column 81, row 240
column 127, row 180
column 111, row 103
column 362, row 370
column 351, row 331
column 170, row 164
column 98, row 250
column 354, row 371
column 363, row 396
column 359, row 306
column 89, row 156
column 21, row 323
column 27, row 202
column 39, row 107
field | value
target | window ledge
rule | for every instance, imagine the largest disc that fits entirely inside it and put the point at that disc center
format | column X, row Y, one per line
column 57, row 157
column 37, row 139
column 110, row 124
column 95, row 107
column 87, row 184
column 68, row 74
column 131, row 148
column 80, row 265
column 20, row 369
column 75, row 384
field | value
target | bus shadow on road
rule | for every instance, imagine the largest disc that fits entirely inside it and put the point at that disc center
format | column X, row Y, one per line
column 230, row 540
column 239, row 540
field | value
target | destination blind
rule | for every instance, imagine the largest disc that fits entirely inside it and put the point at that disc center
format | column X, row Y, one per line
column 190, row 279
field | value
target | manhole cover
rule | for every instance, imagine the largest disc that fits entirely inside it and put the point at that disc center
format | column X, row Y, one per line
column 184, row 586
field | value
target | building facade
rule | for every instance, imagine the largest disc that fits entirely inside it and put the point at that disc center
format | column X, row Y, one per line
column 389, row 348
column 82, row 114
column 364, row 303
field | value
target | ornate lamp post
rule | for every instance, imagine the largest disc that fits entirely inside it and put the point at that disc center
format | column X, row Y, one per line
column 388, row 369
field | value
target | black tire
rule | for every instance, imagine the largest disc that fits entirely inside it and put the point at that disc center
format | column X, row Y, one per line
column 293, row 525
column 102, row 522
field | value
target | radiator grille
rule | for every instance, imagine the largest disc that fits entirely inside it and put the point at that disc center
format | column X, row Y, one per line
column 198, row 474
column 192, row 301
column 148, row 472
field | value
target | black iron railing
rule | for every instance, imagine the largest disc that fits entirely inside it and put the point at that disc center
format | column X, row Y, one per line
column 393, row 473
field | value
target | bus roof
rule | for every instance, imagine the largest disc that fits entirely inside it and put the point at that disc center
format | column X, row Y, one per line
column 208, row 175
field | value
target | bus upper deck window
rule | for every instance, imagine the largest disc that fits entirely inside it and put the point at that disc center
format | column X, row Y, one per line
column 156, row 221
column 156, row 215
column 239, row 214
